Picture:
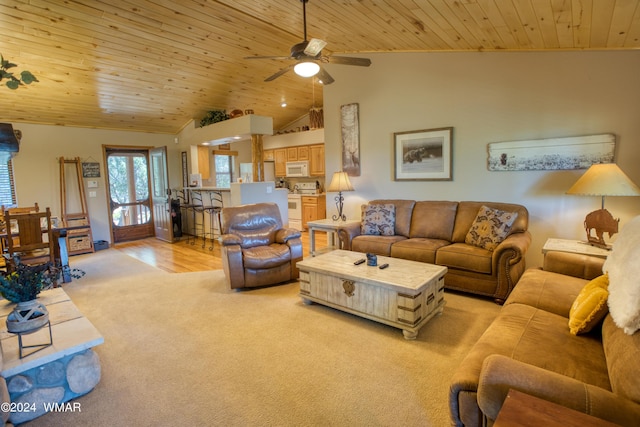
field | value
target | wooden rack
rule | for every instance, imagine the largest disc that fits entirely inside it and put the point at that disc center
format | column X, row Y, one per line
column 79, row 236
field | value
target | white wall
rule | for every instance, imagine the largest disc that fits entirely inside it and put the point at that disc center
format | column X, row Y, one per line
column 37, row 171
column 486, row 97
column 490, row 97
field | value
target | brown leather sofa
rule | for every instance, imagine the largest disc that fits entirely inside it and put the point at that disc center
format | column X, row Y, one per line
column 528, row 348
column 256, row 249
column 435, row 231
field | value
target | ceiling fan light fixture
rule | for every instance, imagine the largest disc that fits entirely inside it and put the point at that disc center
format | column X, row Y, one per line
column 306, row 69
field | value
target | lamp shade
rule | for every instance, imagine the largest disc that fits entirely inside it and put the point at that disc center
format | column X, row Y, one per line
column 306, row 69
column 604, row 180
column 340, row 182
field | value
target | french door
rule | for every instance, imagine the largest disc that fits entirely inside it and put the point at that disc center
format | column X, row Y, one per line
column 161, row 194
column 129, row 193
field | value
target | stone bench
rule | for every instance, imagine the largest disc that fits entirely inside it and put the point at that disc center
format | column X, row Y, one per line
column 41, row 381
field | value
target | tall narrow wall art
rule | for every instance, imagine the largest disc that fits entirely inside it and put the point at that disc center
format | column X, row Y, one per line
column 350, row 124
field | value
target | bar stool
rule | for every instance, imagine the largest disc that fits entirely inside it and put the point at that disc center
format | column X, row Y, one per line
column 214, row 210
column 197, row 225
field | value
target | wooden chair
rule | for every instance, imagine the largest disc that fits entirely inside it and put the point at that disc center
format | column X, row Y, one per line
column 16, row 210
column 27, row 238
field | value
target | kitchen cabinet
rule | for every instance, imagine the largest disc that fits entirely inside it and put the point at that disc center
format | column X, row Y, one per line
column 280, row 158
column 268, row 156
column 316, row 160
column 292, row 154
column 203, row 161
column 303, row 152
column 313, row 208
column 313, row 153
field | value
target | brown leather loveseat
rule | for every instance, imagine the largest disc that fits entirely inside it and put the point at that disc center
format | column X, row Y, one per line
column 529, row 348
column 435, row 232
column 256, row 249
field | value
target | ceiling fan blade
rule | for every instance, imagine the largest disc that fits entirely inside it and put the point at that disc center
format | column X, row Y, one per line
column 324, row 77
column 346, row 60
column 314, row 47
column 269, row 57
column 279, row 73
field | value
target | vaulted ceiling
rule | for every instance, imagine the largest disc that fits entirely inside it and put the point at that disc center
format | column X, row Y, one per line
column 153, row 65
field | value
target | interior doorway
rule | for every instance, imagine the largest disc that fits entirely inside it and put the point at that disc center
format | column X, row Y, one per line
column 128, row 191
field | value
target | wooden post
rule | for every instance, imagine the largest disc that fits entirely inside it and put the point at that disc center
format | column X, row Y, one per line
column 257, row 157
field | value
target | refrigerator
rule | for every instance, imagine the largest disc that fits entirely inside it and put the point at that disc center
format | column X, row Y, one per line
column 246, row 171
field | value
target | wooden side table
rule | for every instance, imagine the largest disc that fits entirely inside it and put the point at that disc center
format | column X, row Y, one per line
column 330, row 227
column 523, row 410
column 575, row 247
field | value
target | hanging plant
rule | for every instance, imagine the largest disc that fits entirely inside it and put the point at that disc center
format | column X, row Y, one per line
column 14, row 82
column 214, row 116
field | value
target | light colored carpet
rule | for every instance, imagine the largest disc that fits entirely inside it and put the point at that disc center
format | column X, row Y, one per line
column 182, row 349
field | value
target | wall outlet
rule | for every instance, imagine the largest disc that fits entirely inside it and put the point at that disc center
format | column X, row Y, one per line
column 92, row 194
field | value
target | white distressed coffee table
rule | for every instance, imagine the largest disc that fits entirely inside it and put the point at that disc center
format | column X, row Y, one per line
column 406, row 295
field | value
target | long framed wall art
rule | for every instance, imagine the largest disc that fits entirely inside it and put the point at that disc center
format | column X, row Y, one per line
column 350, row 125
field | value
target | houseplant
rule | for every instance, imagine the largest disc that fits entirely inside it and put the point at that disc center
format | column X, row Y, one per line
column 14, row 82
column 22, row 286
column 214, row 116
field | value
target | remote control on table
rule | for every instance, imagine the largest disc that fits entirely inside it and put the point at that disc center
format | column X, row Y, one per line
column 383, row 266
column 360, row 261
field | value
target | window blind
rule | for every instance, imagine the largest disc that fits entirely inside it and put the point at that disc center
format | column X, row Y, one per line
column 7, row 186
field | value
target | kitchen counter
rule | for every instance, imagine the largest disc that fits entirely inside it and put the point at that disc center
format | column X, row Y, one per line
column 207, row 188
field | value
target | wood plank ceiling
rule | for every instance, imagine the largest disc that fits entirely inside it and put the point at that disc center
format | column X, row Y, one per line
column 153, row 65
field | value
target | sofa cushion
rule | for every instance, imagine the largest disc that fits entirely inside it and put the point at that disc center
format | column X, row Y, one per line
column 490, row 228
column 541, row 339
column 552, row 292
column 577, row 265
column 465, row 257
column 467, row 212
column 433, row 219
column 418, row 249
column 379, row 245
column 378, row 219
column 404, row 211
column 623, row 360
column 624, row 277
column 270, row 256
column 590, row 306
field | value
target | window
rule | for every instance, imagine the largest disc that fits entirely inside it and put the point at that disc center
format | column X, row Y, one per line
column 128, row 187
column 224, row 168
column 7, row 187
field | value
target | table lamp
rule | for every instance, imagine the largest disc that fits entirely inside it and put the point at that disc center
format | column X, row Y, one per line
column 339, row 183
column 603, row 180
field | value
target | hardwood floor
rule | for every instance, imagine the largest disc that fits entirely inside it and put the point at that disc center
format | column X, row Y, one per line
column 182, row 256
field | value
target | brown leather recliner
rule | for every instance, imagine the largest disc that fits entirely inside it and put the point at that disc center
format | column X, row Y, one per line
column 256, row 249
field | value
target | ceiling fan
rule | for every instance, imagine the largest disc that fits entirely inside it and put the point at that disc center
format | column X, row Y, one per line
column 308, row 56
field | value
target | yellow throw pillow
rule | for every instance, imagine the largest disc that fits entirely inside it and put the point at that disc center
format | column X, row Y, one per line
column 590, row 306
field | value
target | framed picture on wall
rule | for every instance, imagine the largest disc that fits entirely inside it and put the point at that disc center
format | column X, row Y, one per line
column 350, row 124
column 423, row 155
column 90, row 170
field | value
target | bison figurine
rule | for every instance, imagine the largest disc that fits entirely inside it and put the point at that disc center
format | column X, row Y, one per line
column 602, row 222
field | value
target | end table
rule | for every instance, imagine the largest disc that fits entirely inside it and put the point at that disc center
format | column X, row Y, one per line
column 331, row 227
column 575, row 247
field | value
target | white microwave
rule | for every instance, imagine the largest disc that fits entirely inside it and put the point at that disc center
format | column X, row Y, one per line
column 297, row 169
